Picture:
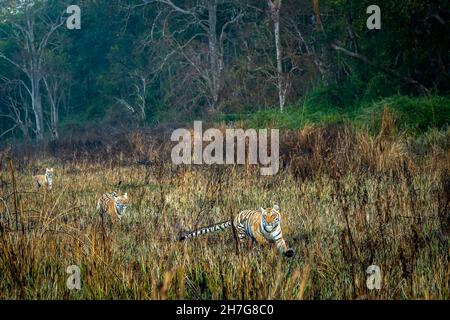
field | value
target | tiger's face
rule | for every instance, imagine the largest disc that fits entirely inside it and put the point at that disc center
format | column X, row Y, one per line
column 122, row 202
column 271, row 218
column 49, row 172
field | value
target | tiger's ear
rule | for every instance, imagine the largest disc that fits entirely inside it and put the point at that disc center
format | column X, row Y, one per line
column 276, row 207
column 263, row 211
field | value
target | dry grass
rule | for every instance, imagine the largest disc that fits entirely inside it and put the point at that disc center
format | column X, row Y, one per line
column 349, row 201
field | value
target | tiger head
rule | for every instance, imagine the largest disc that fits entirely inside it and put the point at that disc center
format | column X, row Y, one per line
column 271, row 218
column 122, row 202
column 49, row 172
column 49, row 177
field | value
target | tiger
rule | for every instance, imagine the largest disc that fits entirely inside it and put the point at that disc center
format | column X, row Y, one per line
column 44, row 181
column 261, row 226
column 113, row 204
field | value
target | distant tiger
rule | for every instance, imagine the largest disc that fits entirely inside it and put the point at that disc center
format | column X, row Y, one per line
column 113, row 204
column 262, row 226
column 44, row 181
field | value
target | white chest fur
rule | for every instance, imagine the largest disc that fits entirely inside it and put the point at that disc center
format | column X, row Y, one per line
column 48, row 179
column 273, row 235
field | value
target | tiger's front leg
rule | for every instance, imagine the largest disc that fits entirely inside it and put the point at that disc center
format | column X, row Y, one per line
column 113, row 218
column 260, row 239
column 283, row 248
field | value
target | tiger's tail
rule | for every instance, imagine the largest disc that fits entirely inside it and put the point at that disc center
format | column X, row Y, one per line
column 214, row 228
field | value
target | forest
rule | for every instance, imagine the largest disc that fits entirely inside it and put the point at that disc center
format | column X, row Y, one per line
column 359, row 95
column 147, row 63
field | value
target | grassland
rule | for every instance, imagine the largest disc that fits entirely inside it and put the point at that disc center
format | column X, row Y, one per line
column 349, row 200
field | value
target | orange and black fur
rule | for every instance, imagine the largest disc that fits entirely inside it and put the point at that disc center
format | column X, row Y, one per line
column 44, row 181
column 261, row 226
column 113, row 204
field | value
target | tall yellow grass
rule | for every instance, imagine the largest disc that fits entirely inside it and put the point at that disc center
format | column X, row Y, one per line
column 348, row 200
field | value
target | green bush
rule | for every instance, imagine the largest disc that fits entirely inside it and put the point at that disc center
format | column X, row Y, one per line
column 412, row 114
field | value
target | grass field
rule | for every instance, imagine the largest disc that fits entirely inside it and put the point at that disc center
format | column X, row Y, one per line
column 348, row 201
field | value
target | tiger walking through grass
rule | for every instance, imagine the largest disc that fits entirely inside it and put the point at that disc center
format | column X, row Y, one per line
column 113, row 204
column 261, row 226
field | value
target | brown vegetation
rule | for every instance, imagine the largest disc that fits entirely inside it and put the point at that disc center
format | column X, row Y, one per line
column 349, row 200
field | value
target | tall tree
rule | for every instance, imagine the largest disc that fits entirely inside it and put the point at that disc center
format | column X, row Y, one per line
column 15, row 107
column 32, row 38
column 274, row 9
column 56, row 83
column 204, row 16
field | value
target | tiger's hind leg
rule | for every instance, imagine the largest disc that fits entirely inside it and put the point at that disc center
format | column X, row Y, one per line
column 102, row 222
column 235, row 238
column 245, row 243
column 113, row 221
column 100, row 226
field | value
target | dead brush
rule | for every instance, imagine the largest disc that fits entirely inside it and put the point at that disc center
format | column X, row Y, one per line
column 314, row 151
column 381, row 155
column 387, row 152
column 349, row 200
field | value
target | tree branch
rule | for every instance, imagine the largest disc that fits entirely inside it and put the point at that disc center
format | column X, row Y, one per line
column 390, row 72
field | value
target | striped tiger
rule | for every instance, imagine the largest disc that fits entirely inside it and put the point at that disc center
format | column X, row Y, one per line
column 113, row 204
column 44, row 181
column 261, row 226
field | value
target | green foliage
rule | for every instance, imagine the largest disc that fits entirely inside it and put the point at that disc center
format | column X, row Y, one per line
column 106, row 60
column 412, row 114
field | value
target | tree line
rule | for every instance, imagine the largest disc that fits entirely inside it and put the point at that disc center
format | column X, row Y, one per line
column 150, row 61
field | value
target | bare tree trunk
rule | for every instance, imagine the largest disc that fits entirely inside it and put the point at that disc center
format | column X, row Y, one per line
column 214, row 55
column 54, row 123
column 36, row 105
column 274, row 6
column 323, row 61
column 54, row 98
column 210, row 77
column 142, row 96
